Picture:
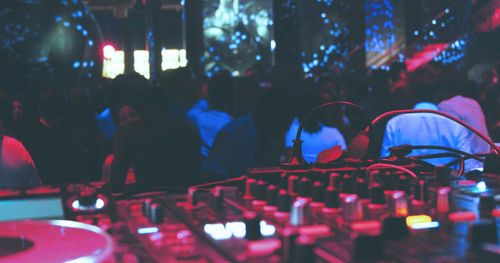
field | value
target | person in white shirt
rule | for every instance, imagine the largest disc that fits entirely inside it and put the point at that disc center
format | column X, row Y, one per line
column 465, row 109
column 426, row 128
column 316, row 136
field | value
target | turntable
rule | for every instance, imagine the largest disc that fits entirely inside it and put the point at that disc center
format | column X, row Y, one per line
column 53, row 241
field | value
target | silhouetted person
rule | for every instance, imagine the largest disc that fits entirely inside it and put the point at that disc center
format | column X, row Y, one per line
column 164, row 151
column 48, row 139
column 255, row 140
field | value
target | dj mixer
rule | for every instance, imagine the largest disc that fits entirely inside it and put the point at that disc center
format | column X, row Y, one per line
column 362, row 212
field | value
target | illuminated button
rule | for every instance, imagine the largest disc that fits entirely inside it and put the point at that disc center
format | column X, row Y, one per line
column 263, row 247
column 366, row 226
column 147, row 230
column 462, row 216
column 410, row 220
column 314, row 230
column 495, row 212
column 426, row 225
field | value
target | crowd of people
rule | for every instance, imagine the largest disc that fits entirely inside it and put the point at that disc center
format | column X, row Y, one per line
column 193, row 129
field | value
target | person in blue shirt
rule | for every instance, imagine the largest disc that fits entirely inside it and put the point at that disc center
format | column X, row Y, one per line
column 254, row 140
column 220, row 101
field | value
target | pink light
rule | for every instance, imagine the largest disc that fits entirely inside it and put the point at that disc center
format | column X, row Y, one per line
column 108, row 51
column 426, row 55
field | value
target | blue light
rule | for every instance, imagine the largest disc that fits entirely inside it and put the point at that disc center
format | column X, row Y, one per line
column 76, row 64
column 443, row 24
column 327, row 21
column 84, row 64
column 84, row 32
column 58, row 18
column 425, row 225
column 447, row 10
column 431, row 33
column 257, row 39
column 323, row 15
column 91, row 63
column 91, row 43
column 79, row 13
column 244, row 37
column 66, row 23
column 258, row 57
column 79, row 27
column 216, row 57
column 147, row 230
column 434, row 21
column 90, row 75
column 322, row 47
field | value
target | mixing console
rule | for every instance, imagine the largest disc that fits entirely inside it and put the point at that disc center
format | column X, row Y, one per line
column 355, row 213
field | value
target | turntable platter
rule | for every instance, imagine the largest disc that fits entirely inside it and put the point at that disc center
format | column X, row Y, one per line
column 53, row 241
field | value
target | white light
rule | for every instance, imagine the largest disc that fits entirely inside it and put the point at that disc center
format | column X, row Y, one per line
column 266, row 230
column 108, row 51
column 273, row 45
column 447, row 10
column 217, row 231
column 425, row 225
column 99, row 203
column 238, row 229
column 75, row 204
column 147, row 230
column 434, row 21
column 481, row 186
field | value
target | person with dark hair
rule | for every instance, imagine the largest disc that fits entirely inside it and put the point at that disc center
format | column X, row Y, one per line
column 220, row 101
column 17, row 169
column 255, row 140
column 124, row 89
column 247, row 92
column 164, row 150
column 426, row 128
column 180, row 88
column 316, row 136
column 48, row 139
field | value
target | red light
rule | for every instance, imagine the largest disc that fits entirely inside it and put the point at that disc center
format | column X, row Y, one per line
column 462, row 216
column 108, row 51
